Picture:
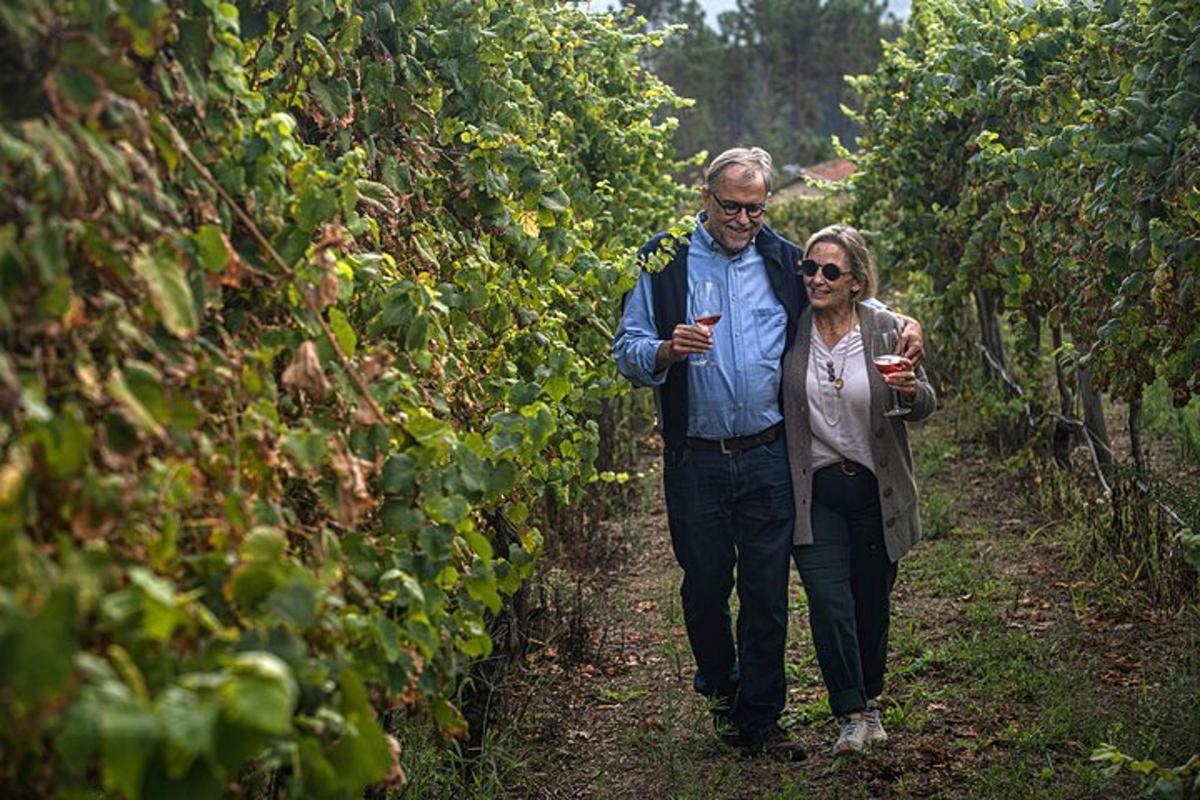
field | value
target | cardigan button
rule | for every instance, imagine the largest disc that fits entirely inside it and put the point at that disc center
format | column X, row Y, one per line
column 883, row 462
column 887, row 491
column 891, row 522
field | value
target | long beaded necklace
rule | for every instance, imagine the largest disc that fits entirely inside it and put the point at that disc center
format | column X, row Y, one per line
column 832, row 378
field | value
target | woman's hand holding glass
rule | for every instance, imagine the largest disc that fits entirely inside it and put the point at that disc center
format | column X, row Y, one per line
column 896, row 370
column 903, row 381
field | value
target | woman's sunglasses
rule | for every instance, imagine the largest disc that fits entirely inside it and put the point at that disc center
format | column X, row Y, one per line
column 831, row 271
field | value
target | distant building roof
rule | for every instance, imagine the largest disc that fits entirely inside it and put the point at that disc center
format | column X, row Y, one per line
column 833, row 171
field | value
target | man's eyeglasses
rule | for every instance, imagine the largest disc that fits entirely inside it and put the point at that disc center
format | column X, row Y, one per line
column 831, row 272
column 732, row 209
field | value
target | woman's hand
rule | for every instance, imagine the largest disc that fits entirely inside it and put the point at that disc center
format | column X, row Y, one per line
column 904, row 381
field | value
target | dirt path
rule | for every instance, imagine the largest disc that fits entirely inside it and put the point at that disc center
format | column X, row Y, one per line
column 1003, row 674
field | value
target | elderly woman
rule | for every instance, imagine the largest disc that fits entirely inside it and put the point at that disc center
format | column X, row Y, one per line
column 856, row 501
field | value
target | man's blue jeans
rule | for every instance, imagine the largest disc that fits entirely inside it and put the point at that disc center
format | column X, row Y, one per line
column 733, row 514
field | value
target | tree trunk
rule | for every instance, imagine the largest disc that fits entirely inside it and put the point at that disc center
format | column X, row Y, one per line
column 1135, row 431
column 987, row 303
column 1031, row 342
column 606, row 457
column 1030, row 357
column 1066, row 400
column 509, row 629
column 1093, row 416
column 1063, row 430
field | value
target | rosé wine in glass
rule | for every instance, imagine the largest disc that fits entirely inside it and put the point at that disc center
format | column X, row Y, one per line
column 708, row 303
column 887, row 362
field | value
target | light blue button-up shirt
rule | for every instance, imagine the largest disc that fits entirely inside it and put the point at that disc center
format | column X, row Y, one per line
column 739, row 394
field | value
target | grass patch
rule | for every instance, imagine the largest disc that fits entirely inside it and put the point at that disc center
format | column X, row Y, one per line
column 668, row 741
column 439, row 772
column 619, row 696
column 1046, row 685
column 939, row 513
column 793, row 788
column 933, row 449
column 944, row 569
column 810, row 712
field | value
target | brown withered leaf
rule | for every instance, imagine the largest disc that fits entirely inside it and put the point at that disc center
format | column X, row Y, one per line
column 395, row 779
column 88, row 525
column 234, row 270
column 353, row 492
column 305, row 373
column 76, row 313
column 326, row 292
column 374, row 364
column 365, row 413
column 332, row 236
column 10, row 385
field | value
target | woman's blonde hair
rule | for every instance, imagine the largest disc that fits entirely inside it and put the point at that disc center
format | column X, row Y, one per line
column 862, row 263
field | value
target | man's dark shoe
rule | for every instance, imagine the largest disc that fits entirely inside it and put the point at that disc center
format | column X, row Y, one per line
column 773, row 743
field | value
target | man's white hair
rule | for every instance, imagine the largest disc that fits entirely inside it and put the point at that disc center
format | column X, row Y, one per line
column 754, row 159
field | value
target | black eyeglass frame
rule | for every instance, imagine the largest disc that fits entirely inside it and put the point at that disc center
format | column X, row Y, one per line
column 830, row 271
column 753, row 210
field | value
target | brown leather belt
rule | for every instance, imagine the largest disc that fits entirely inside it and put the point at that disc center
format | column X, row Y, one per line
column 737, row 443
column 845, row 467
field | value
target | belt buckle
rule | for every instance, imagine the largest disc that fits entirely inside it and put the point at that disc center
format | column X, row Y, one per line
column 724, row 450
column 842, row 467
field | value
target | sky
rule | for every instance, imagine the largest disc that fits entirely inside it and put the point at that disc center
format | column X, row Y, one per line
column 714, row 7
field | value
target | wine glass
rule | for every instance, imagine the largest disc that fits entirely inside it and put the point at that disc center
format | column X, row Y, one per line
column 707, row 305
column 886, row 361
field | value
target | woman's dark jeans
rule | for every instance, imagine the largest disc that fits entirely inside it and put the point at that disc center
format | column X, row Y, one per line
column 733, row 513
column 848, row 579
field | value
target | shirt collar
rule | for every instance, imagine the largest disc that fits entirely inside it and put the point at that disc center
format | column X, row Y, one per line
column 703, row 236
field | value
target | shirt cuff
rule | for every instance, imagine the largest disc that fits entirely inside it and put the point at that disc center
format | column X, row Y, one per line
column 647, row 358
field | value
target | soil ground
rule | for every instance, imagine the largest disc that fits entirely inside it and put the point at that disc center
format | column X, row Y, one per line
column 1010, row 661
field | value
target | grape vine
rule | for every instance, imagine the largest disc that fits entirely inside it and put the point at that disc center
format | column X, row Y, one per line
column 294, row 298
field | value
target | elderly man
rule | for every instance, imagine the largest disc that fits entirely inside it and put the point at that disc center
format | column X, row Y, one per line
column 725, row 473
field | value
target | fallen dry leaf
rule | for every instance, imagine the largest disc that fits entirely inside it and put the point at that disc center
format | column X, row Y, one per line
column 652, row 723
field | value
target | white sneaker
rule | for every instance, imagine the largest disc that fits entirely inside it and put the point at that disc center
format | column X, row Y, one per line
column 874, row 715
column 853, row 735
